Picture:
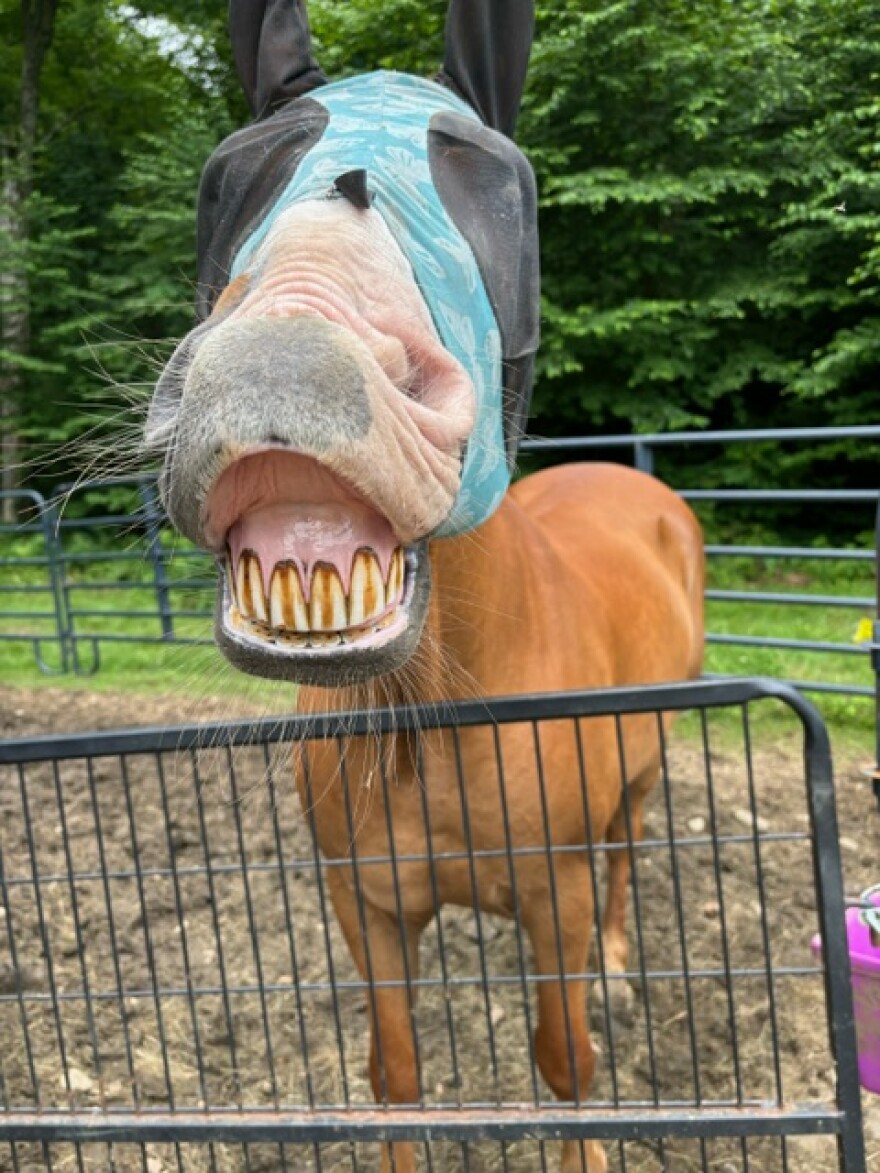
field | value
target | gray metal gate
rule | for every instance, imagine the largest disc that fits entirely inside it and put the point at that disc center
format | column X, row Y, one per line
column 175, row 994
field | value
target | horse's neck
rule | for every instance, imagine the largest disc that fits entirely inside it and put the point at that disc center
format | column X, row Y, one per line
column 483, row 593
column 479, row 581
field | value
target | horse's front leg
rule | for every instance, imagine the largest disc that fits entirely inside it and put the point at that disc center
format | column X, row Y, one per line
column 624, row 835
column 559, row 922
column 385, row 948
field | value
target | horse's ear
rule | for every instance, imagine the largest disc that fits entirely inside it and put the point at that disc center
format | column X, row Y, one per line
column 487, row 55
column 272, row 47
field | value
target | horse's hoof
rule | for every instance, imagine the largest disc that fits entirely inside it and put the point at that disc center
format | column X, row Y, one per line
column 621, row 1005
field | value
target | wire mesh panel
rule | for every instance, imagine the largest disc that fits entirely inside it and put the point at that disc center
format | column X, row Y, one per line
column 202, row 928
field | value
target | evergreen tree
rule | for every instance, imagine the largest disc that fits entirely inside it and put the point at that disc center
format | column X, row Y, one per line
column 710, row 207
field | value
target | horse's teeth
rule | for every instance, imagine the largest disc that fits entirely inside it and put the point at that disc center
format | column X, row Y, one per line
column 394, row 586
column 367, row 594
column 287, row 602
column 328, row 617
column 258, row 608
column 241, row 591
column 327, row 611
column 249, row 588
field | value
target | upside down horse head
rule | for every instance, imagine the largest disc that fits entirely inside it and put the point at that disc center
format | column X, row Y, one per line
column 340, row 430
column 368, row 284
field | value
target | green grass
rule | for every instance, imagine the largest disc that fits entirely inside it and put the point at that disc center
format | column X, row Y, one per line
column 155, row 667
column 826, row 624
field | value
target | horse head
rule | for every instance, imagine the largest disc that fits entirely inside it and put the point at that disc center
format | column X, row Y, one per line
column 362, row 366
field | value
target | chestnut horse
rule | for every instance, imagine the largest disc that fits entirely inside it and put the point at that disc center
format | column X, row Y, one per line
column 340, row 432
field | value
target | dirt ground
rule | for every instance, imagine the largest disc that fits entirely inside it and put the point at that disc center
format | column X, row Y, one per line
column 180, row 984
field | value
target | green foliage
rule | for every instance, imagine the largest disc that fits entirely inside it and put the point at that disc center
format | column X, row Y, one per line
column 358, row 36
column 133, row 100
column 711, row 212
column 710, row 206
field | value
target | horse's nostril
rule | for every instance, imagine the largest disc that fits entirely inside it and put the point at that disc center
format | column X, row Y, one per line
column 274, row 438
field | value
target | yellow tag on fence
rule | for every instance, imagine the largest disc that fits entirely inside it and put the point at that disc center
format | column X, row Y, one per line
column 864, row 631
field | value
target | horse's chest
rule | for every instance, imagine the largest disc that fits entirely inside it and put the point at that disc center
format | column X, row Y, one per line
column 418, row 833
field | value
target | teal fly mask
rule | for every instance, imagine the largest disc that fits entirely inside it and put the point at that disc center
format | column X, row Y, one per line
column 377, row 125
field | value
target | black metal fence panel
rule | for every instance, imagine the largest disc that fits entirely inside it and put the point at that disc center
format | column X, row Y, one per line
column 147, row 587
column 176, row 992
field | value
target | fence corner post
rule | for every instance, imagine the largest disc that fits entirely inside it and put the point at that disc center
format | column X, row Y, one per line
column 643, row 456
column 50, row 516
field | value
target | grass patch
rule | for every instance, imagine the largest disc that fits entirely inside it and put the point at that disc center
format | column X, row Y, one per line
column 798, row 622
column 850, row 719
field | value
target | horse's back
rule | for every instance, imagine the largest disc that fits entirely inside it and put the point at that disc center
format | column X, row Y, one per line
column 610, row 496
column 635, row 544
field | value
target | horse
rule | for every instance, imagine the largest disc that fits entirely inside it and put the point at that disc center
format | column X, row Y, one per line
column 340, row 431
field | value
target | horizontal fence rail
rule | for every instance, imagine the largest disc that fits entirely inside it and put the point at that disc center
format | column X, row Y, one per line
column 175, row 991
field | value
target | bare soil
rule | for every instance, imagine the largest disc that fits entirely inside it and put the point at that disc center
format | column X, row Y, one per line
column 228, row 987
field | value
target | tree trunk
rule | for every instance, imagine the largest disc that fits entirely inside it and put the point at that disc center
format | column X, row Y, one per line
column 14, row 326
column 17, row 178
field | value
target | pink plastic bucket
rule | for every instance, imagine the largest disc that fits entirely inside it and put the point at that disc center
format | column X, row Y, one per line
column 863, row 937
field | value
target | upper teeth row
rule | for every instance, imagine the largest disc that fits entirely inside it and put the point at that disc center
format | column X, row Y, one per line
column 327, row 607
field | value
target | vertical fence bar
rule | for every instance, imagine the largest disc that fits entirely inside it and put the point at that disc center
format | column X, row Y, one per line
column 49, row 519
column 643, row 456
column 153, row 523
column 62, row 494
column 828, row 879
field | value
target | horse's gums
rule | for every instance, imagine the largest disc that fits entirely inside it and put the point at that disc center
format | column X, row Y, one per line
column 348, row 400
